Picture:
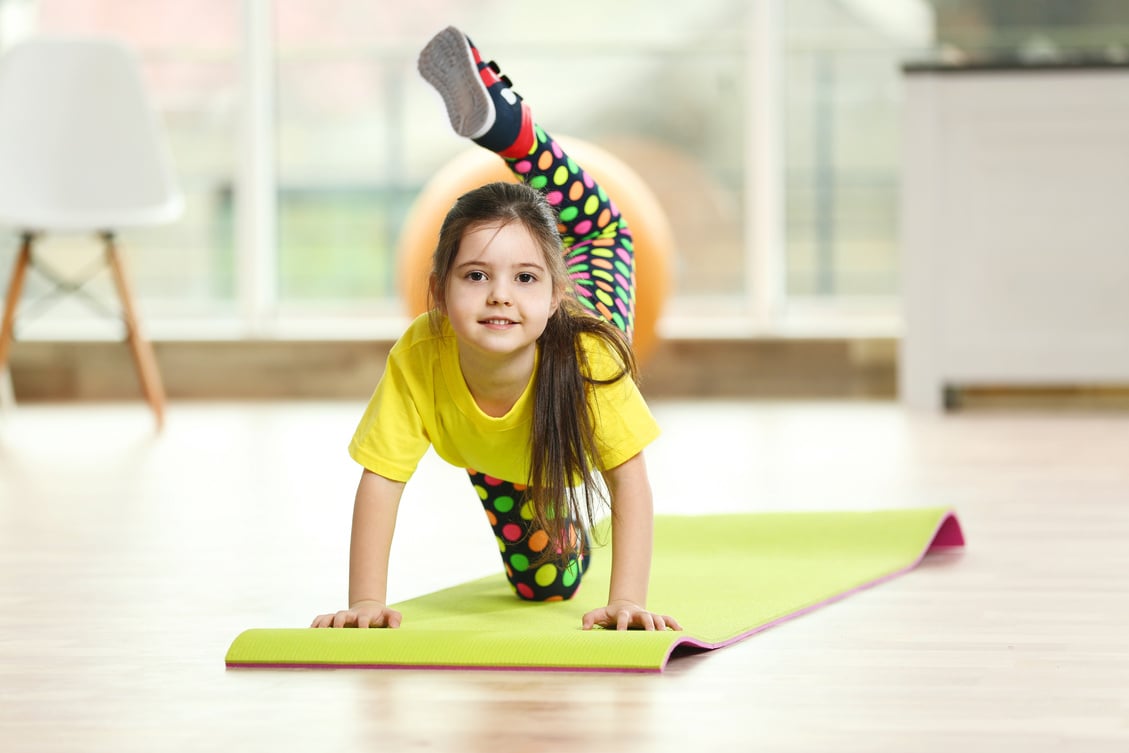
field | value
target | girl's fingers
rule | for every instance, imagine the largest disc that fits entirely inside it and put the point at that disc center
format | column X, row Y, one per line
column 623, row 620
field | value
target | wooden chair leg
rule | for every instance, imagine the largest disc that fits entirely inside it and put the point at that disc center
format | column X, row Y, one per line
column 12, row 300
column 142, row 349
column 8, row 324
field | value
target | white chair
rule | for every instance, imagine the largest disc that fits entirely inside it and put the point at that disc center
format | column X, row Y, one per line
column 81, row 150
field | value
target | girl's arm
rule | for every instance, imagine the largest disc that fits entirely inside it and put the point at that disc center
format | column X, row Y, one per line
column 374, row 520
column 632, row 529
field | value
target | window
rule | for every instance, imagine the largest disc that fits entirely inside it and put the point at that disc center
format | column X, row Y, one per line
column 184, row 272
column 769, row 132
column 840, row 110
column 360, row 133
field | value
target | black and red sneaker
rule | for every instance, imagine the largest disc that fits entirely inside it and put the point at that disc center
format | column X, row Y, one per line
column 481, row 103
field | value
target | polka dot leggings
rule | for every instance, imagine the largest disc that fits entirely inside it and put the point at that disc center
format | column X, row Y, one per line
column 523, row 546
column 601, row 261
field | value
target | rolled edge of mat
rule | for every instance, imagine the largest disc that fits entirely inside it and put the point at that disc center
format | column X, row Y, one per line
column 309, row 648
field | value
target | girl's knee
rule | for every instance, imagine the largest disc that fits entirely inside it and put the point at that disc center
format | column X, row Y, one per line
column 548, row 581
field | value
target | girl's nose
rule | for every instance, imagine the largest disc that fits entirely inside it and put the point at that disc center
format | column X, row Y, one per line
column 500, row 295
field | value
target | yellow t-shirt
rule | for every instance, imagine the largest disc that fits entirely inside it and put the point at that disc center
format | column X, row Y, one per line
column 422, row 400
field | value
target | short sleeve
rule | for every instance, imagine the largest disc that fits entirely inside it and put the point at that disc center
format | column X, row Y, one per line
column 621, row 419
column 390, row 439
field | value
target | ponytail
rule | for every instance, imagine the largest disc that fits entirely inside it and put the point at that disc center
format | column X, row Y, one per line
column 563, row 438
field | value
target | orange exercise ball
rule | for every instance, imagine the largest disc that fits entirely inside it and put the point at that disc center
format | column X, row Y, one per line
column 653, row 238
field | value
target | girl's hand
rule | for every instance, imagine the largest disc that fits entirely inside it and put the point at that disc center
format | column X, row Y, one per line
column 363, row 614
column 624, row 615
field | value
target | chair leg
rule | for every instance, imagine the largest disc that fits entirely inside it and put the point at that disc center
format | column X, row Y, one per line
column 142, row 349
column 12, row 301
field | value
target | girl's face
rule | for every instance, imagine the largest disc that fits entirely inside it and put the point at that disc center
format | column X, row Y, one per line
column 499, row 292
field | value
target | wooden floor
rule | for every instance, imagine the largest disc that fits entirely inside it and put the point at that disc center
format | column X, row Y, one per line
column 128, row 562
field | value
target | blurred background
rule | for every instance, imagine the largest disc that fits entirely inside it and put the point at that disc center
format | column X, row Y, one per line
column 769, row 131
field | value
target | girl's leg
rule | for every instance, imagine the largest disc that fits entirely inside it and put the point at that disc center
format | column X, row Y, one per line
column 597, row 244
column 482, row 106
column 522, row 546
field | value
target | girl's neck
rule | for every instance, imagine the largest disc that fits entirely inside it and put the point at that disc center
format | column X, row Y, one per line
column 497, row 381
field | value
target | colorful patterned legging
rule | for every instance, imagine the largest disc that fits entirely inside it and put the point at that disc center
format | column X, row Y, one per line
column 601, row 261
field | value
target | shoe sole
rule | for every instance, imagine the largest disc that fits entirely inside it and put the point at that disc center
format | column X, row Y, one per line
column 447, row 64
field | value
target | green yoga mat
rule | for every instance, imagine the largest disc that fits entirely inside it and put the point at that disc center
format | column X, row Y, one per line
column 725, row 577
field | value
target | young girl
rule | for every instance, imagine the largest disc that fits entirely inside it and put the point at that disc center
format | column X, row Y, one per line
column 522, row 372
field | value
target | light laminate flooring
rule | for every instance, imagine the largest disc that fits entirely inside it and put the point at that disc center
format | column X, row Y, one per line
column 129, row 560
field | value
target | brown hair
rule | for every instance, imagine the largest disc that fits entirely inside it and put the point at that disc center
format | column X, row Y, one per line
column 563, row 438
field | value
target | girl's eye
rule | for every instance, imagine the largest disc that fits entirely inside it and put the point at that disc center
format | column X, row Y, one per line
column 526, row 277
column 476, row 276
